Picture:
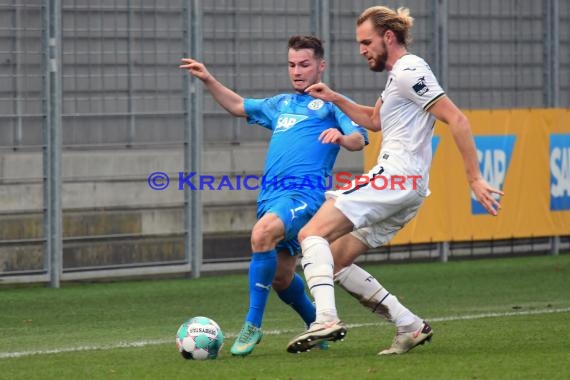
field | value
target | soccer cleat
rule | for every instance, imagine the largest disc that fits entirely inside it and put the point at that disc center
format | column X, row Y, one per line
column 315, row 335
column 248, row 337
column 404, row 342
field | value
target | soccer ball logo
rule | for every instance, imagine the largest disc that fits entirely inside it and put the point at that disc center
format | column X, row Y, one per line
column 199, row 338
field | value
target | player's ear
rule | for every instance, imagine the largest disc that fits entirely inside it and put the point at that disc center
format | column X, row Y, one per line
column 389, row 36
column 322, row 65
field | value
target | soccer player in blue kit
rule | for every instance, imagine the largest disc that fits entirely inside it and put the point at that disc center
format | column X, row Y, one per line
column 307, row 136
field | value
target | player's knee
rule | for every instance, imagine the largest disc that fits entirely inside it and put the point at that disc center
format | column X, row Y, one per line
column 308, row 232
column 304, row 233
column 262, row 239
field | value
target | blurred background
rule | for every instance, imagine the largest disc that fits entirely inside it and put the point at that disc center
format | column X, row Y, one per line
column 92, row 102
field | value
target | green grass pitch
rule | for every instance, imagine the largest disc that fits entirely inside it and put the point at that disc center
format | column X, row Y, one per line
column 493, row 319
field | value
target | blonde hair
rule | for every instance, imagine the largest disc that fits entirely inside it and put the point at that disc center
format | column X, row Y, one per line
column 383, row 18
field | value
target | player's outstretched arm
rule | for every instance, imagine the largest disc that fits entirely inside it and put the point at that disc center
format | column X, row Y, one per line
column 446, row 111
column 360, row 114
column 228, row 99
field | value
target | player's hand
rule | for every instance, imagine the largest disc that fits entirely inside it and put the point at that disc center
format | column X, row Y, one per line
column 331, row 136
column 322, row 91
column 195, row 68
column 485, row 194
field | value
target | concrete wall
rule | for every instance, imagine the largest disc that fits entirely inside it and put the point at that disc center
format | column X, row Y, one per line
column 110, row 214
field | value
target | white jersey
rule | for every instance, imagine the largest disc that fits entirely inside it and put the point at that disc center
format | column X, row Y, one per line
column 407, row 127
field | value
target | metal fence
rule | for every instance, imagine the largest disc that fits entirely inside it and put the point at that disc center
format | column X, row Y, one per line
column 80, row 76
column 118, row 58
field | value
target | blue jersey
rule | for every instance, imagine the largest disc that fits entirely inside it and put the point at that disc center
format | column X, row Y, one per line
column 297, row 162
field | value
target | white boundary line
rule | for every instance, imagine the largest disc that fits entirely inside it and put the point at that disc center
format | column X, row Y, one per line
column 143, row 343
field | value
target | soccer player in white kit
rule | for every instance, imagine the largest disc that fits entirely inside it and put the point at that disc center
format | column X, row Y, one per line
column 352, row 221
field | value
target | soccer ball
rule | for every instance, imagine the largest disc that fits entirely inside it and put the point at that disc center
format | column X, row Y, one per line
column 199, row 338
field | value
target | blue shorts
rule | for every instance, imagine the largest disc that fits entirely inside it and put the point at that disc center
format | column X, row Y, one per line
column 294, row 213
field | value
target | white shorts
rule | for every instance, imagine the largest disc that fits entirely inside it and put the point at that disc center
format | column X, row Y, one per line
column 376, row 212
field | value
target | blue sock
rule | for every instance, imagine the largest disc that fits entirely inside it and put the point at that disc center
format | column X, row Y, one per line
column 261, row 274
column 296, row 297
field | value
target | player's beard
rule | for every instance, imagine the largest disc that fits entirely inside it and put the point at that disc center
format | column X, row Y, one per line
column 380, row 61
column 308, row 83
column 300, row 90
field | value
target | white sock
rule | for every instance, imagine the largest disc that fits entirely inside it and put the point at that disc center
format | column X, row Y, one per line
column 318, row 266
column 370, row 293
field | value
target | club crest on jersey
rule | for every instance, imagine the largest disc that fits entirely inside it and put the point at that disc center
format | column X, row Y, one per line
column 287, row 121
column 420, row 87
column 316, row 104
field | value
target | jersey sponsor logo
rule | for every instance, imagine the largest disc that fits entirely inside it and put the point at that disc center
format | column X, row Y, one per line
column 559, row 172
column 420, row 87
column 287, row 121
column 316, row 104
column 494, row 155
column 410, row 69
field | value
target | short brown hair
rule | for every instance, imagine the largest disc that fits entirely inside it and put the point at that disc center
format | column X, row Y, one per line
column 307, row 42
column 383, row 18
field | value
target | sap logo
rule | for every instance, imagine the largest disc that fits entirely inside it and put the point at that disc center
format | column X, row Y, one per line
column 559, row 172
column 494, row 155
column 288, row 120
